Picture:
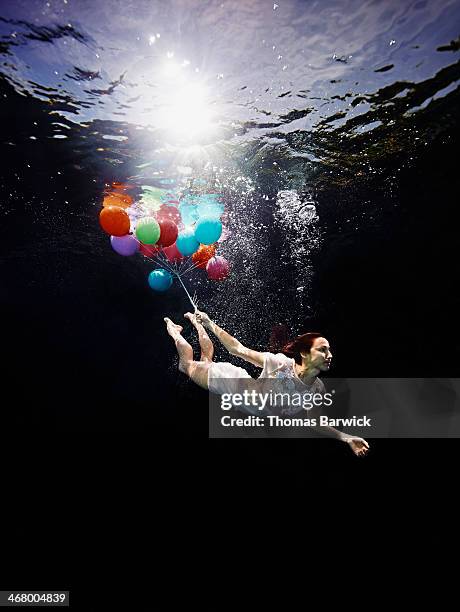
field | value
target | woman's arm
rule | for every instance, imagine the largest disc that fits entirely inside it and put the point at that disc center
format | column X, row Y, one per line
column 358, row 445
column 233, row 346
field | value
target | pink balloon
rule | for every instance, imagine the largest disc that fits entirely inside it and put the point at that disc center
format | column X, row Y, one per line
column 217, row 268
column 173, row 254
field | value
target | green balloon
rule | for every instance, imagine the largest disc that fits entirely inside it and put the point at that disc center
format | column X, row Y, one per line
column 148, row 230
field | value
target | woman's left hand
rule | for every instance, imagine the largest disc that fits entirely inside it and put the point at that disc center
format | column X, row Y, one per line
column 358, row 445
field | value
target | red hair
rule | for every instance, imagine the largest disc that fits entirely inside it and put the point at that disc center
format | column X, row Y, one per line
column 301, row 344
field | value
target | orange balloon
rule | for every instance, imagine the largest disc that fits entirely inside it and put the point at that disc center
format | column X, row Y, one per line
column 201, row 257
column 114, row 220
column 117, row 199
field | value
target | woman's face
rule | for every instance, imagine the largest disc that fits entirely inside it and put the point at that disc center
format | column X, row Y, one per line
column 320, row 355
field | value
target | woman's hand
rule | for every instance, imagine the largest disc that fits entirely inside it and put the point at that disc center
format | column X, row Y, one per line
column 358, row 445
column 203, row 318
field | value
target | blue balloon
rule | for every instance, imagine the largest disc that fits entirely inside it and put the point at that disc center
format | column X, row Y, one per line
column 160, row 280
column 186, row 242
column 208, row 231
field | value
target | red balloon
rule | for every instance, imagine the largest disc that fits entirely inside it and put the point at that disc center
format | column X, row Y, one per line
column 114, row 220
column 168, row 232
column 168, row 212
column 173, row 254
column 148, row 250
column 217, row 268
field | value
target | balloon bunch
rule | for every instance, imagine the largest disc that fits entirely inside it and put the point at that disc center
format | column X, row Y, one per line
column 179, row 236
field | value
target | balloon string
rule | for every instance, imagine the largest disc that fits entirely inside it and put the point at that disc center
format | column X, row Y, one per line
column 161, row 259
column 188, row 294
column 162, row 262
column 189, row 269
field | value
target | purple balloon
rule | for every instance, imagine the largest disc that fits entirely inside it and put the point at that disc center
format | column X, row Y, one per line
column 124, row 245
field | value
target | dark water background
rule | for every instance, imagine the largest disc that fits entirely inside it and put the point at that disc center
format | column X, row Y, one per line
column 93, row 411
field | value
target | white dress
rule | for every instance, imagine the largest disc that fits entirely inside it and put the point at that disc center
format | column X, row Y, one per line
column 222, row 375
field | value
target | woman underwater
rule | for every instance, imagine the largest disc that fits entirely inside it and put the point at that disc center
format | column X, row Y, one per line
column 302, row 360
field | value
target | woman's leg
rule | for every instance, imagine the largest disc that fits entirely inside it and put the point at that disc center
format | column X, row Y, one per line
column 206, row 346
column 196, row 370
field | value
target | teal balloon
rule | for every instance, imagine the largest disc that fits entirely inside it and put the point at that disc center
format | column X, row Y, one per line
column 208, row 231
column 160, row 279
column 186, row 242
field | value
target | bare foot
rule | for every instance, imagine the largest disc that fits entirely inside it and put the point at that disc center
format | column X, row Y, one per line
column 191, row 317
column 173, row 329
column 194, row 320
